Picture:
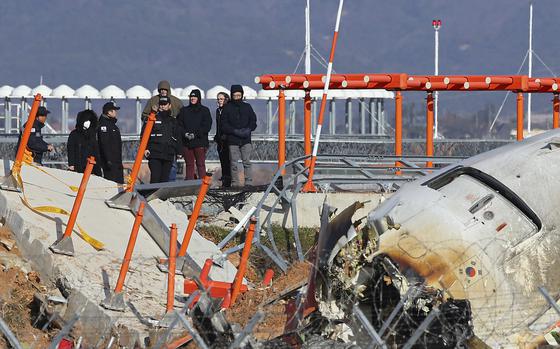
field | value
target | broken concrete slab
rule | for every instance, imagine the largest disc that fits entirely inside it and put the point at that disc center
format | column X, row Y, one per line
column 81, row 276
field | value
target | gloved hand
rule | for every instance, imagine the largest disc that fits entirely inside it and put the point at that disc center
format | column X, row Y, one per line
column 237, row 132
column 246, row 132
column 242, row 132
column 189, row 136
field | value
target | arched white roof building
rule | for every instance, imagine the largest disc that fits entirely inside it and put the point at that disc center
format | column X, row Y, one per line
column 87, row 91
column 213, row 92
column 249, row 92
column 139, row 92
column 63, row 91
column 44, row 90
column 177, row 92
column 21, row 91
column 111, row 92
column 6, row 91
column 187, row 90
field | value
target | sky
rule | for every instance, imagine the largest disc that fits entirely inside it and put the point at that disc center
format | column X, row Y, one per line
column 210, row 42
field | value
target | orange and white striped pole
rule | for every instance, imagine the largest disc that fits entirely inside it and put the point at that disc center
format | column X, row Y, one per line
column 309, row 187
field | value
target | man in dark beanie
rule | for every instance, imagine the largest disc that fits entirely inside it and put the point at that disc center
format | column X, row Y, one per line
column 238, row 121
column 196, row 121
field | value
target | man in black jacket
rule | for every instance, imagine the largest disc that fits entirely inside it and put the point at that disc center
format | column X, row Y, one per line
column 36, row 144
column 110, row 144
column 238, row 121
column 164, row 143
column 196, row 121
column 82, row 143
column 221, row 141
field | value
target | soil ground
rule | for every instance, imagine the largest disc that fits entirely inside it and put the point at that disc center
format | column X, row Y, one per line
column 278, row 311
column 17, row 287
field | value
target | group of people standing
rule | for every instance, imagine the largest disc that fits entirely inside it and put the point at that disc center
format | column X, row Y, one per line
column 182, row 131
column 93, row 136
column 178, row 131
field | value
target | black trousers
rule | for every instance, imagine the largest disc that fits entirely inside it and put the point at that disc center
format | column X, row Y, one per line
column 159, row 170
column 114, row 173
column 225, row 163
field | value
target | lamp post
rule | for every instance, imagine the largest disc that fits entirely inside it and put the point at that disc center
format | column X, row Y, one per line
column 530, row 65
column 436, row 23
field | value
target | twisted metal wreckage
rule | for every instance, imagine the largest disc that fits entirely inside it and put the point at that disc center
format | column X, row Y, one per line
column 458, row 258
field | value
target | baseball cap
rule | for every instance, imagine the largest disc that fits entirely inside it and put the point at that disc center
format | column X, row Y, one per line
column 110, row 106
column 42, row 111
column 163, row 100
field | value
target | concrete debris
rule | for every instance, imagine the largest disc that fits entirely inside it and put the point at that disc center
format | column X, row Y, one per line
column 8, row 244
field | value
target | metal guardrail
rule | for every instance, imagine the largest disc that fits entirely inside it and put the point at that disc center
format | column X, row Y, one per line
column 380, row 170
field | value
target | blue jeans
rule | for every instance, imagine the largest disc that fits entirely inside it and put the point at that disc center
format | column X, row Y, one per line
column 173, row 172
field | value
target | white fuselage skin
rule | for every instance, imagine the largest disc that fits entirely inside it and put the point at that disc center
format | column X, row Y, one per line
column 484, row 230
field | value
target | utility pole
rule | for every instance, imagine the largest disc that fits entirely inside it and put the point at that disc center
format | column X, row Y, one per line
column 436, row 23
column 307, row 40
column 530, row 65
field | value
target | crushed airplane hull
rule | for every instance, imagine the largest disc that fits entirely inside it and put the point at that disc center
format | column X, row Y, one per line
column 483, row 230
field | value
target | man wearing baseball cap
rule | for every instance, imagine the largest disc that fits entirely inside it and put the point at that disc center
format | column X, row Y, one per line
column 164, row 143
column 36, row 144
column 110, row 144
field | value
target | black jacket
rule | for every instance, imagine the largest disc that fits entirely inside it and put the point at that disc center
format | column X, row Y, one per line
column 36, row 144
column 165, row 138
column 220, row 137
column 82, row 143
column 110, row 143
column 238, row 121
column 195, row 119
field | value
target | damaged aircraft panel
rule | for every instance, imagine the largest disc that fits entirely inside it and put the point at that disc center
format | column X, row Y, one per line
column 474, row 240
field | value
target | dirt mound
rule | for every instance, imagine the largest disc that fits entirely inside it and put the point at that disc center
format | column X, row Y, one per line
column 17, row 288
column 271, row 300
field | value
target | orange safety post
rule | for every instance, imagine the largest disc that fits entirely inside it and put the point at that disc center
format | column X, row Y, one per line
column 555, row 110
column 141, row 150
column 430, row 128
column 194, row 216
column 64, row 244
column 238, row 280
column 226, row 301
column 79, row 197
column 26, row 132
column 130, row 248
column 267, row 279
column 398, row 127
column 307, row 126
column 281, row 129
column 309, row 187
column 171, row 268
column 205, row 271
column 519, row 116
